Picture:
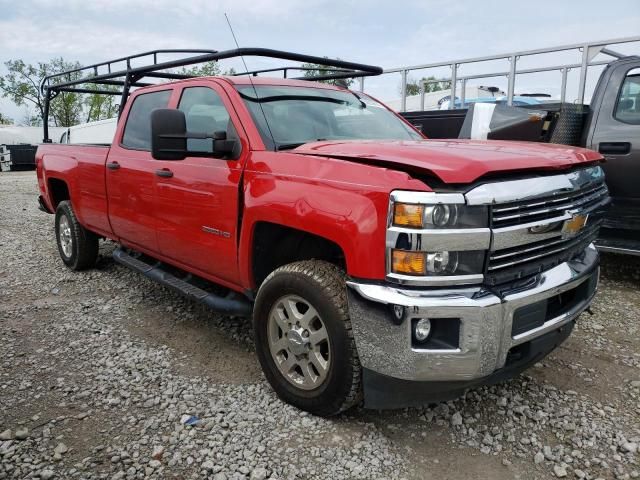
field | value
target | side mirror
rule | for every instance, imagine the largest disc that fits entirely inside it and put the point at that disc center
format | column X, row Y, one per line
column 168, row 134
column 169, row 138
column 222, row 147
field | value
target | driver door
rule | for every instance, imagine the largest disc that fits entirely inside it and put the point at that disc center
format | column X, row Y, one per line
column 197, row 198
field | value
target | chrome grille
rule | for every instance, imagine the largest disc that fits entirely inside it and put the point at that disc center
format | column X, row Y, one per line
column 509, row 257
column 517, row 213
column 528, row 236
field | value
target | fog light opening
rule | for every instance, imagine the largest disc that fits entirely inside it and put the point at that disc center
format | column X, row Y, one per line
column 422, row 329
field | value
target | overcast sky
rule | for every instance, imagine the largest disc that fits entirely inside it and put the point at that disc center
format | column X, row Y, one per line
column 387, row 33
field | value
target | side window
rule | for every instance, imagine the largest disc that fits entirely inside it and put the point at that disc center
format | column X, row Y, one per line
column 204, row 113
column 628, row 107
column 137, row 131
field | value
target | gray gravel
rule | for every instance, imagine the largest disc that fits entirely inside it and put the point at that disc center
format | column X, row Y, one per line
column 105, row 375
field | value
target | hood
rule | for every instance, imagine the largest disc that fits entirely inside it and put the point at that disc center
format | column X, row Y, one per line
column 454, row 161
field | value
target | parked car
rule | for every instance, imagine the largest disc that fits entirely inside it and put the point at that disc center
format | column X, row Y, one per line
column 376, row 265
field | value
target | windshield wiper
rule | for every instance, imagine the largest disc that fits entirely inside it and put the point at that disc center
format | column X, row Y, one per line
column 289, row 146
column 362, row 104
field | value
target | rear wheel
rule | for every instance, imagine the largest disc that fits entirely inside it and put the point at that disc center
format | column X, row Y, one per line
column 78, row 247
column 304, row 339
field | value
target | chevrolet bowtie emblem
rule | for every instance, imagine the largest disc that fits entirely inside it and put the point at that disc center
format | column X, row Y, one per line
column 574, row 225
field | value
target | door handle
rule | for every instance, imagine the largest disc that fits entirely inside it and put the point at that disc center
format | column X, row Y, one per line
column 614, row 148
column 164, row 172
column 113, row 165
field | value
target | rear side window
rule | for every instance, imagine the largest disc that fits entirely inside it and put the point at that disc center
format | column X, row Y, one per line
column 204, row 113
column 137, row 131
column 628, row 107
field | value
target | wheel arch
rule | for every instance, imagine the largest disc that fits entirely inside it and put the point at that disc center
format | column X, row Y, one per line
column 58, row 191
column 291, row 245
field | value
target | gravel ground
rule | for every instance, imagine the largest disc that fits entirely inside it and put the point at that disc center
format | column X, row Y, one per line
column 104, row 374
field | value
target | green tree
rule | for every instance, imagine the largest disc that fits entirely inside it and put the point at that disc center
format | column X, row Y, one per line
column 207, row 69
column 22, row 86
column 413, row 86
column 318, row 69
column 30, row 118
column 66, row 108
column 5, row 120
column 101, row 107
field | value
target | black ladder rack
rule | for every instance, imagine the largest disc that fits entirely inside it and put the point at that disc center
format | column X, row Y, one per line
column 122, row 73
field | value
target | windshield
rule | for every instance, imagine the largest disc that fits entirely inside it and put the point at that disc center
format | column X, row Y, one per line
column 298, row 115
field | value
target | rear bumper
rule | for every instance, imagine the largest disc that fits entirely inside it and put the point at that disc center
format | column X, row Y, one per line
column 495, row 337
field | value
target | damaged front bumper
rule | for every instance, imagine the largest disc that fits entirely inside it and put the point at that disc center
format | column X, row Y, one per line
column 479, row 336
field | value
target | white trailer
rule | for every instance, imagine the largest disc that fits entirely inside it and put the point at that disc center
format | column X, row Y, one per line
column 99, row 132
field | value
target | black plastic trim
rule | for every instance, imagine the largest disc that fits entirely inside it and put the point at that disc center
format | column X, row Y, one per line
column 230, row 306
column 43, row 206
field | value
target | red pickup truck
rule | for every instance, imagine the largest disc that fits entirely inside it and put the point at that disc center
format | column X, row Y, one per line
column 377, row 265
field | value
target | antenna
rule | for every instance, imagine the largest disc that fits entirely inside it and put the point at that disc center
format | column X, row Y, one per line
column 255, row 90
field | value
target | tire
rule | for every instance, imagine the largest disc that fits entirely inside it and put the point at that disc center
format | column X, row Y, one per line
column 331, row 380
column 78, row 247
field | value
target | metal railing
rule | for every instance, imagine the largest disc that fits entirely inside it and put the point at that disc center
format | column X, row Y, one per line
column 78, row 79
column 589, row 51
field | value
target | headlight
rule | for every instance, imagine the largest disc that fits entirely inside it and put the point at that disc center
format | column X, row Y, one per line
column 436, row 239
column 441, row 215
column 441, row 263
column 409, row 215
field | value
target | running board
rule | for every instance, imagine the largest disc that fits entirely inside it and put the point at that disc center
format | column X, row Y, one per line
column 231, row 306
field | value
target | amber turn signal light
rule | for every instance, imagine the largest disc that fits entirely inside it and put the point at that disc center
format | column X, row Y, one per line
column 408, row 263
column 408, row 215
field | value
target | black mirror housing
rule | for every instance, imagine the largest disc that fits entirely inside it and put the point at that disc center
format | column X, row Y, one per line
column 222, row 147
column 169, row 138
column 168, row 134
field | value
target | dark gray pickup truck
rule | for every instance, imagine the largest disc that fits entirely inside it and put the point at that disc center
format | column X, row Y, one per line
column 609, row 125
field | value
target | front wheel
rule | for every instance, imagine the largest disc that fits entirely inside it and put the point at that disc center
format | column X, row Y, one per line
column 78, row 247
column 304, row 339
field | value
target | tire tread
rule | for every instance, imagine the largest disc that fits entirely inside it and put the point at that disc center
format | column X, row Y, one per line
column 85, row 240
column 332, row 280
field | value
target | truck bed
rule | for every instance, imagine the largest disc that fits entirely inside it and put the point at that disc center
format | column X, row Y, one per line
column 563, row 124
column 83, row 168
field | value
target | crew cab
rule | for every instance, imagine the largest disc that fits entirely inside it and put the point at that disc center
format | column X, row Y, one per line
column 377, row 266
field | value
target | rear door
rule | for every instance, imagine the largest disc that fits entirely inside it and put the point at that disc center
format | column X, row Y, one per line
column 131, row 174
column 198, row 197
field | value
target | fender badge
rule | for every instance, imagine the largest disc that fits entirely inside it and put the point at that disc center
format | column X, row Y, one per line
column 215, row 231
column 574, row 225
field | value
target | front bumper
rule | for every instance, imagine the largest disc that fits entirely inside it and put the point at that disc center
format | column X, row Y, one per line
column 487, row 338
